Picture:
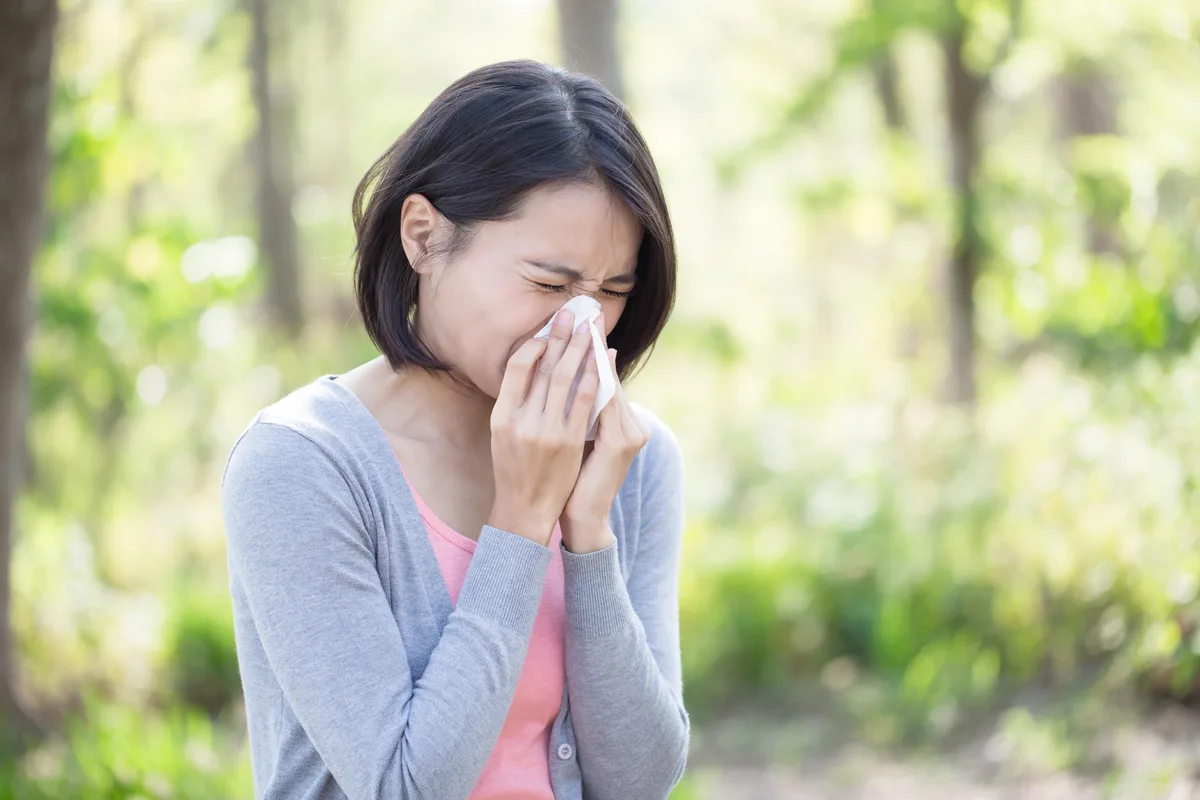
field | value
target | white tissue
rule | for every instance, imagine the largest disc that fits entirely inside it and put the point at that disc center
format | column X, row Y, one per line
column 586, row 308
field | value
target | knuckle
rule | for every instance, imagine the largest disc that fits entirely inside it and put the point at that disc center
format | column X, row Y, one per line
column 528, row 436
column 565, row 369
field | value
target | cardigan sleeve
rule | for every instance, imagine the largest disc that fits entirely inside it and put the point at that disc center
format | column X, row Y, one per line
column 303, row 557
column 622, row 644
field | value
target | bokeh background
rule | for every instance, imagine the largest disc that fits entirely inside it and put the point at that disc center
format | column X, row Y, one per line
column 934, row 368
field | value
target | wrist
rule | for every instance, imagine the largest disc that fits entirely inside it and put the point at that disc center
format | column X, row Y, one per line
column 586, row 537
column 533, row 526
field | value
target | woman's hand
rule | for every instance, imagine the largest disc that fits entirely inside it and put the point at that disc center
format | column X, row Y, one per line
column 584, row 520
column 536, row 447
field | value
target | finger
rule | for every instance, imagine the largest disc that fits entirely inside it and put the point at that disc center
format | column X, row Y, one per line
column 625, row 423
column 560, row 335
column 610, row 420
column 568, row 367
column 630, row 423
column 517, row 374
column 585, row 395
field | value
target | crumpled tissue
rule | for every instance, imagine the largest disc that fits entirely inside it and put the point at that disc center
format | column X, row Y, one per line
column 585, row 308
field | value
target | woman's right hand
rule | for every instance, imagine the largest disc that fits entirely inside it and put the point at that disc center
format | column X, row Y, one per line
column 537, row 449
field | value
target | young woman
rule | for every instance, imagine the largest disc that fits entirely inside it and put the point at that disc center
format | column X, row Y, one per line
column 439, row 591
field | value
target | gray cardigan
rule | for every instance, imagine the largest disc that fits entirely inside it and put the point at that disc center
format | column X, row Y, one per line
column 363, row 680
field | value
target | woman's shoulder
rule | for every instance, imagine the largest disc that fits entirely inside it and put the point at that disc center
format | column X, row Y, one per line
column 313, row 421
column 318, row 409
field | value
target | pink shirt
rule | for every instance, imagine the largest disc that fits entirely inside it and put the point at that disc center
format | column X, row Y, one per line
column 519, row 767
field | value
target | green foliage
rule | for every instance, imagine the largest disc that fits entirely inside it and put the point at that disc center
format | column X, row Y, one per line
column 685, row 790
column 1102, row 308
column 203, row 659
column 957, row 562
column 844, row 526
column 113, row 752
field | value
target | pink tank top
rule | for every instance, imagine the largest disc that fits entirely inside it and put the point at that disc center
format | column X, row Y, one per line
column 519, row 767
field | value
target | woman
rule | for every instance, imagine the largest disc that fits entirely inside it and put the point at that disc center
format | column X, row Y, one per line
column 438, row 593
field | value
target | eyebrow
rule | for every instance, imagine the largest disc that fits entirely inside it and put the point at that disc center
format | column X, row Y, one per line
column 576, row 275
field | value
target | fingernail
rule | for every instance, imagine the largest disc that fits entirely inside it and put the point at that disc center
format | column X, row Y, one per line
column 563, row 319
column 581, row 326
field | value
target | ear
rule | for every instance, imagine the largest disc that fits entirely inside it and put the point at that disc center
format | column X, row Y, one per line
column 419, row 221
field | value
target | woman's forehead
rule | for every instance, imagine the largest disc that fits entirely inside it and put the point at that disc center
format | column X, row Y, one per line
column 580, row 227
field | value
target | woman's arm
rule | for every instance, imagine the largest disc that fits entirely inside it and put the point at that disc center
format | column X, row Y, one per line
column 622, row 645
column 300, row 551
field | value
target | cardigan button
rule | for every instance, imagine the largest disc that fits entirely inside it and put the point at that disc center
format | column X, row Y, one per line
column 564, row 751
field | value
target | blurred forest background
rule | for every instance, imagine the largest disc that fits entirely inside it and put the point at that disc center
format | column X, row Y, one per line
column 934, row 367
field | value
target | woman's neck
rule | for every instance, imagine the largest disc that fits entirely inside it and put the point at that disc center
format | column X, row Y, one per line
column 433, row 409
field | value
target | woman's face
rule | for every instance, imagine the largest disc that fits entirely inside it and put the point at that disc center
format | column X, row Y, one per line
column 476, row 310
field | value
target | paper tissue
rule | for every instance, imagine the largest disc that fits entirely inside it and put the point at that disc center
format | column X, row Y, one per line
column 585, row 308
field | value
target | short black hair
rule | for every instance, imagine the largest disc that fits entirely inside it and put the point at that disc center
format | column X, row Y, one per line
column 476, row 152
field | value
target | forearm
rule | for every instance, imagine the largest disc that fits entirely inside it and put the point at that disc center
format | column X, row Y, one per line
column 462, row 700
column 630, row 723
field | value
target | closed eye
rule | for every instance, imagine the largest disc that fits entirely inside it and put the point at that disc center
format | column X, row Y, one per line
column 553, row 288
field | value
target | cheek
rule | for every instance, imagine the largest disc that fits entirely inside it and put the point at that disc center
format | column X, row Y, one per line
column 613, row 308
column 498, row 342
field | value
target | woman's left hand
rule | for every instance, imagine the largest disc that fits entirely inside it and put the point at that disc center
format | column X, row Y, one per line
column 584, row 520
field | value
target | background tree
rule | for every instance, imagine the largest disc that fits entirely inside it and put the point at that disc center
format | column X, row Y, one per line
column 587, row 34
column 273, row 167
column 26, row 48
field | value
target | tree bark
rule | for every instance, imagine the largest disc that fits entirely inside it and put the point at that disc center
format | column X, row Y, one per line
column 964, row 93
column 276, row 183
column 26, row 48
column 588, row 38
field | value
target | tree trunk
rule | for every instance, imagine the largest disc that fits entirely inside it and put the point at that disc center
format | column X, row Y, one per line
column 273, row 162
column 1088, row 107
column 26, row 46
column 884, row 71
column 964, row 93
column 588, row 37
